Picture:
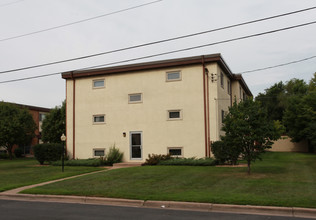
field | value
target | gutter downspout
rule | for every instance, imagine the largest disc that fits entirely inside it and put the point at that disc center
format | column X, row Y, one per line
column 208, row 113
column 66, row 120
column 205, row 108
column 73, row 116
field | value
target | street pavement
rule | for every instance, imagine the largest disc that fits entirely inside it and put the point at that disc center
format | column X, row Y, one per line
column 13, row 210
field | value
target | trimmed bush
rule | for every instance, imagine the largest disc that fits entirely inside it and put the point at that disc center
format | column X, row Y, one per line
column 225, row 154
column 114, row 156
column 47, row 152
column 18, row 152
column 154, row 159
column 189, row 162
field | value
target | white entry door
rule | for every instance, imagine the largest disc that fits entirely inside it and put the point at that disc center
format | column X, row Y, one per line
column 136, row 144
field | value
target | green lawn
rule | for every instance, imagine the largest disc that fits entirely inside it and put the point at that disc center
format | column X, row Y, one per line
column 281, row 179
column 22, row 172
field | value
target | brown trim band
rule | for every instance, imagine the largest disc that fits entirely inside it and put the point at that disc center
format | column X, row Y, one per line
column 148, row 66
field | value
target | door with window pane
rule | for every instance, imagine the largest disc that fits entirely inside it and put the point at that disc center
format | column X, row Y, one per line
column 136, row 144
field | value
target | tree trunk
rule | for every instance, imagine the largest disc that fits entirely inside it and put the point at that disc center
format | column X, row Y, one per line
column 248, row 167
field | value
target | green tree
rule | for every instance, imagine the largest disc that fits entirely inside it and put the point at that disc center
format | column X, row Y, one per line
column 273, row 101
column 300, row 117
column 247, row 129
column 16, row 126
column 54, row 124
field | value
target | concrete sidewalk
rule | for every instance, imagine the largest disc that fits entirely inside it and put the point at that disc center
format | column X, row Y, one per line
column 192, row 206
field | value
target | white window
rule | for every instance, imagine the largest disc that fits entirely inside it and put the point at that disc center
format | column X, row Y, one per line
column 174, row 114
column 173, row 76
column 99, row 152
column 98, row 83
column 135, row 98
column 42, row 116
column 98, row 119
column 175, row 151
column 222, row 80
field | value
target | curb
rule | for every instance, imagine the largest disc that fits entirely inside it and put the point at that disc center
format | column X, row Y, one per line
column 189, row 206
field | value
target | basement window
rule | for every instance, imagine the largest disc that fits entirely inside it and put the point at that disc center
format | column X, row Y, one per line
column 98, row 152
column 175, row 151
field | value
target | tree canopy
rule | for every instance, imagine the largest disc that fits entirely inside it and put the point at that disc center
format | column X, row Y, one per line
column 54, row 124
column 300, row 116
column 16, row 126
column 293, row 103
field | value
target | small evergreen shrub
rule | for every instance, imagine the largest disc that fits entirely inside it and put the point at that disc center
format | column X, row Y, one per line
column 154, row 159
column 189, row 162
column 114, row 156
column 18, row 152
column 47, row 152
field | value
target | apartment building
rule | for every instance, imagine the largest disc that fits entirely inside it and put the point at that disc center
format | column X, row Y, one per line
column 38, row 114
column 171, row 106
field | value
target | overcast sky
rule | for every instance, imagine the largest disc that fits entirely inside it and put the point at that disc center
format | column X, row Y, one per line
column 161, row 20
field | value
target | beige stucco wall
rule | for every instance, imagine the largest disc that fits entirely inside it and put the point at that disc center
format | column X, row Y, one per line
column 219, row 100
column 149, row 117
column 285, row 145
column 237, row 91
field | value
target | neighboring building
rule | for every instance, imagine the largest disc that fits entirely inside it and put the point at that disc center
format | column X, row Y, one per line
column 38, row 114
column 171, row 106
column 284, row 144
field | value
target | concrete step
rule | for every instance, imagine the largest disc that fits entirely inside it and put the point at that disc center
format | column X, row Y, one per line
column 127, row 164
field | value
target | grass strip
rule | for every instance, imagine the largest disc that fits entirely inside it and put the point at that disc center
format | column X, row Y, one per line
column 22, row 172
column 281, row 179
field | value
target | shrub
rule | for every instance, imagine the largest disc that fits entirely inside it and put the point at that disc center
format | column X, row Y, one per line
column 47, row 152
column 114, row 156
column 154, row 159
column 189, row 162
column 18, row 152
column 225, row 154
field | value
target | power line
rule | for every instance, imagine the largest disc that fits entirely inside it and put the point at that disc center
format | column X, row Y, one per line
column 279, row 65
column 80, row 21
column 204, row 45
column 170, row 52
column 11, row 3
column 160, row 41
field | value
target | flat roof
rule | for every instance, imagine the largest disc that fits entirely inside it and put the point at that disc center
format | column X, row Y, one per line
column 210, row 58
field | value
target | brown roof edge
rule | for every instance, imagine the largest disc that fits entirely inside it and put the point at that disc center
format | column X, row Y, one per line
column 243, row 83
column 30, row 107
column 146, row 66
